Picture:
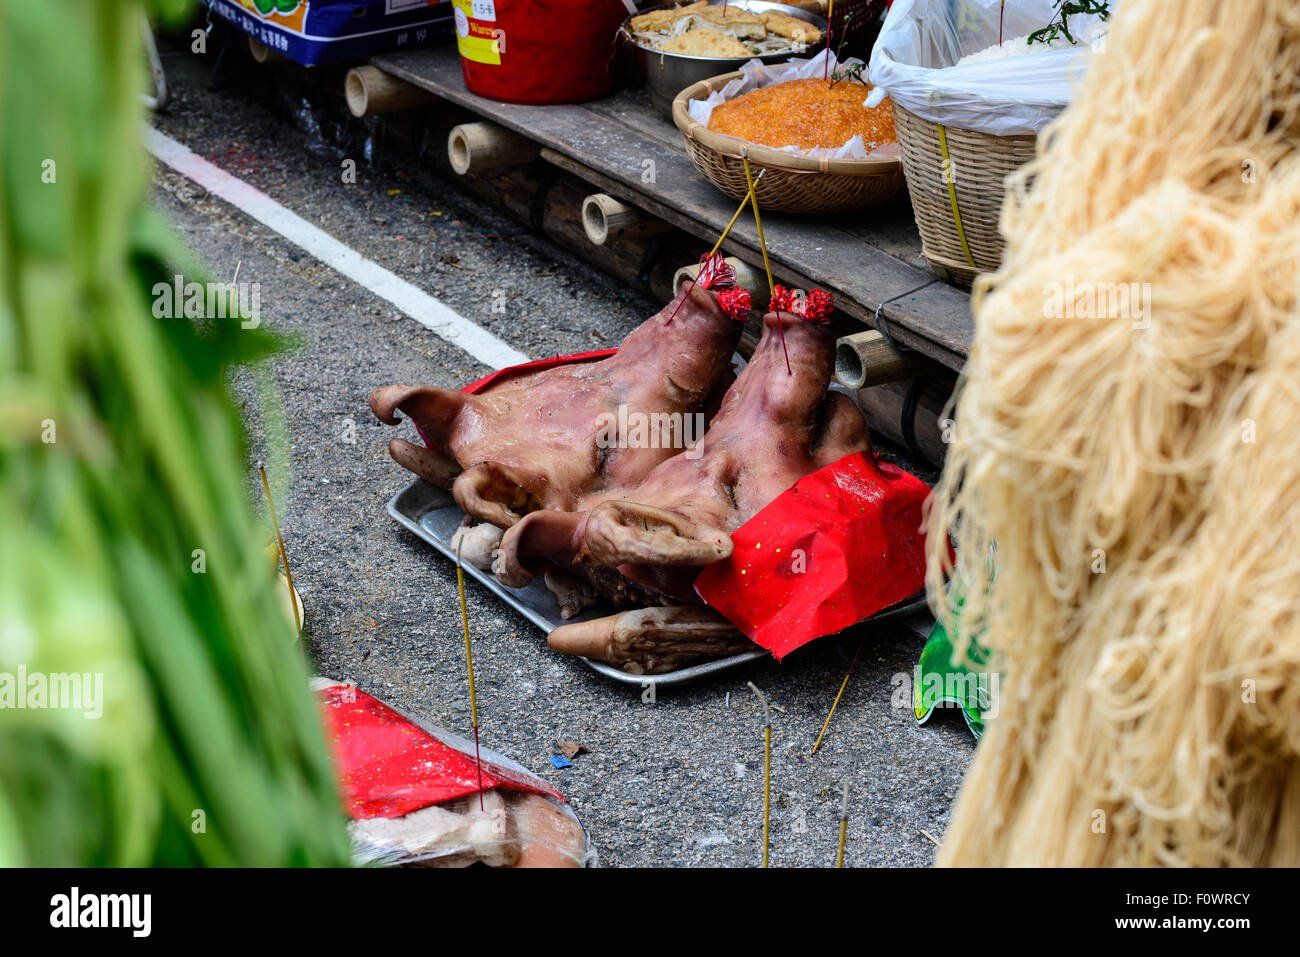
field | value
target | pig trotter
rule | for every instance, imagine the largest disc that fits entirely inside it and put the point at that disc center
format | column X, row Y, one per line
column 650, row 641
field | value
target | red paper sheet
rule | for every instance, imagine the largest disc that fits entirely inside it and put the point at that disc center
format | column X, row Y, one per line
column 839, row 545
column 389, row 766
column 479, row 385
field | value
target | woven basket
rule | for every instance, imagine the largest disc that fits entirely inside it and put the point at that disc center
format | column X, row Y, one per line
column 792, row 183
column 980, row 164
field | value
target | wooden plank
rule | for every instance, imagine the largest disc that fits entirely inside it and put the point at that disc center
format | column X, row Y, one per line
column 621, row 146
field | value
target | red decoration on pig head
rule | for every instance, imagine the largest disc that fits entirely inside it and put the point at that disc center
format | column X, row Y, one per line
column 715, row 272
column 816, row 306
column 736, row 303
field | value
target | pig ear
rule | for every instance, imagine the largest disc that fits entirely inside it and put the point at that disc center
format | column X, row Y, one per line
column 495, row 493
column 844, row 430
column 434, row 410
column 430, row 464
column 549, row 532
column 627, row 533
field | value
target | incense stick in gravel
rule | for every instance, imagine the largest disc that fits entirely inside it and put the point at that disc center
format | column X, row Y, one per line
column 844, row 825
column 843, row 684
column 469, row 666
column 284, row 560
column 767, row 766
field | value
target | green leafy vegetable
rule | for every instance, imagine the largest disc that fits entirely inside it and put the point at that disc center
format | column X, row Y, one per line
column 122, row 456
column 1060, row 25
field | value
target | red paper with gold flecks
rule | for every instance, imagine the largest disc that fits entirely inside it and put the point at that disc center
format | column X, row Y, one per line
column 836, row 547
column 389, row 766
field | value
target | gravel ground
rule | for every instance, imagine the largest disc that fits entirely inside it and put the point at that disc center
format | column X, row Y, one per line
column 675, row 782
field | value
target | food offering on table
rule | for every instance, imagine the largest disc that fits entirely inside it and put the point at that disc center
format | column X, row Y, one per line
column 618, row 479
column 723, row 30
column 809, row 115
column 856, row 22
column 970, row 90
column 417, row 796
column 676, row 46
column 807, row 122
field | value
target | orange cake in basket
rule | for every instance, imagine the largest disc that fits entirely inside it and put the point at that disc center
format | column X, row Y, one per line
column 807, row 114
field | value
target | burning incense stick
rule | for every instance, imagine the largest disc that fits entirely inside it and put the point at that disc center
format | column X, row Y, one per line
column 716, row 246
column 843, row 684
column 739, row 209
column 767, row 765
column 762, row 244
column 469, row 664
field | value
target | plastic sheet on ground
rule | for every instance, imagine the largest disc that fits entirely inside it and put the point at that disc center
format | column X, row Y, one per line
column 413, row 793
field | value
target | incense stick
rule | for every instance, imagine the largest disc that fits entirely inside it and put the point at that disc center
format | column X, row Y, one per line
column 830, row 32
column 843, row 684
column 284, row 560
column 767, row 766
column 749, row 195
column 762, row 244
column 469, row 664
column 716, row 246
column 844, row 824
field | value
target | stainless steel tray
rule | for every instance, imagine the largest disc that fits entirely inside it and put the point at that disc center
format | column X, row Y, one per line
column 433, row 514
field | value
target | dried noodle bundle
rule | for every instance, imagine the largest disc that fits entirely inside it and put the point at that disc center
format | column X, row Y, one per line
column 1138, row 470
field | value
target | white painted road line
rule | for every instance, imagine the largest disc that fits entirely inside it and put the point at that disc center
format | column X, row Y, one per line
column 429, row 312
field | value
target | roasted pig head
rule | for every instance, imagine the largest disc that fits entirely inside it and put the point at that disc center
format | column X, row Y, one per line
column 544, row 439
column 777, row 423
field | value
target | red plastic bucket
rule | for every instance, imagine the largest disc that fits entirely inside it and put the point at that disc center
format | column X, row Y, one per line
column 538, row 51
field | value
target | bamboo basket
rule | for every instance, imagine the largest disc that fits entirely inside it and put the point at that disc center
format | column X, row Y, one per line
column 958, row 215
column 792, row 183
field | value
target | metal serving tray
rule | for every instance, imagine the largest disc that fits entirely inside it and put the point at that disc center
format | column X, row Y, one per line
column 433, row 514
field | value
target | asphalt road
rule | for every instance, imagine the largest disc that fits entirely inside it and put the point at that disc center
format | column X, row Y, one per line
column 674, row 782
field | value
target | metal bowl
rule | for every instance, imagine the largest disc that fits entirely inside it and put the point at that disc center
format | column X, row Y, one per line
column 667, row 74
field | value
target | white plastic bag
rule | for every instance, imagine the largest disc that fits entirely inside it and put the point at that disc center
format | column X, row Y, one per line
column 915, row 62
